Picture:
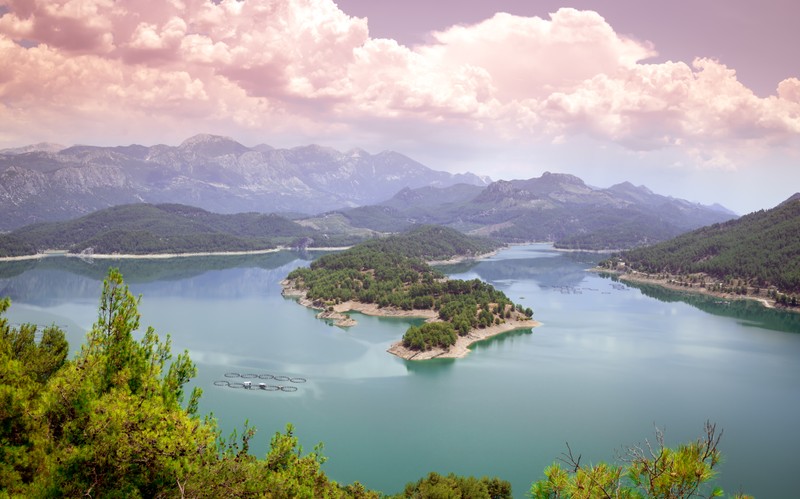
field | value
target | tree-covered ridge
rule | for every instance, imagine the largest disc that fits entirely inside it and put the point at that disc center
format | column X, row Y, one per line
column 165, row 228
column 391, row 273
column 753, row 253
column 433, row 242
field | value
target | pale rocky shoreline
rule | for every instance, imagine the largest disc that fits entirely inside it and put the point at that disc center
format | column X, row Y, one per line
column 459, row 350
column 153, row 256
column 667, row 284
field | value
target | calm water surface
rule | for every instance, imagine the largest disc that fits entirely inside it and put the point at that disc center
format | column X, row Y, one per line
column 609, row 363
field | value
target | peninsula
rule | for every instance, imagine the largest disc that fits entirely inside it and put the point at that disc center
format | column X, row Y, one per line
column 389, row 277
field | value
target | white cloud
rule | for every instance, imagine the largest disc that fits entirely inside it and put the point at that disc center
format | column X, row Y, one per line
column 304, row 66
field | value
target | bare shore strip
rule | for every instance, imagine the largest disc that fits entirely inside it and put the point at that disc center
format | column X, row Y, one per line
column 461, row 348
column 669, row 283
column 457, row 351
column 153, row 256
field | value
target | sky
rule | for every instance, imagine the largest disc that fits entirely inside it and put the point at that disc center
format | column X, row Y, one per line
column 697, row 99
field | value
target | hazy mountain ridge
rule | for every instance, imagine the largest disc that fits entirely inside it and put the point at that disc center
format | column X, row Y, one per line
column 46, row 182
column 555, row 207
column 385, row 192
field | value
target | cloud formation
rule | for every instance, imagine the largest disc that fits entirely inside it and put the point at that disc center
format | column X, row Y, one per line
column 156, row 69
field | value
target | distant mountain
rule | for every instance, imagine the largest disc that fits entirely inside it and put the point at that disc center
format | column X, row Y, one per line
column 48, row 182
column 40, row 147
column 758, row 250
column 554, row 207
column 168, row 228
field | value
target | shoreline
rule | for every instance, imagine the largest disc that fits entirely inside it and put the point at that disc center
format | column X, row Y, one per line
column 159, row 256
column 460, row 259
column 155, row 256
column 664, row 283
column 460, row 350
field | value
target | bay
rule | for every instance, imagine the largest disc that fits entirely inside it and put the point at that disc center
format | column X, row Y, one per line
column 609, row 364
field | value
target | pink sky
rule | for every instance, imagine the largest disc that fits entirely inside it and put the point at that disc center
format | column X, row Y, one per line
column 696, row 99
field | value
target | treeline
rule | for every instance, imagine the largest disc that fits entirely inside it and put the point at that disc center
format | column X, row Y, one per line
column 759, row 250
column 115, row 421
column 434, row 242
column 166, row 228
column 382, row 272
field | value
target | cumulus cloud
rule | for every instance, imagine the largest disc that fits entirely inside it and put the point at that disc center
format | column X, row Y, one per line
column 304, row 65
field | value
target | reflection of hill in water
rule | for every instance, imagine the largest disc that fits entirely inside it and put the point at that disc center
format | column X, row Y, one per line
column 145, row 270
column 564, row 269
column 48, row 287
column 50, row 281
column 747, row 312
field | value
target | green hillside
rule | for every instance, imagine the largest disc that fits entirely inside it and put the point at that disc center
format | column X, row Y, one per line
column 165, row 228
column 431, row 242
column 755, row 252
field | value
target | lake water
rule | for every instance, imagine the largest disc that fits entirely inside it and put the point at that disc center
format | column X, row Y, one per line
column 609, row 363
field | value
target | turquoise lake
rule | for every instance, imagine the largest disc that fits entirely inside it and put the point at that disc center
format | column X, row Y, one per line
column 609, row 363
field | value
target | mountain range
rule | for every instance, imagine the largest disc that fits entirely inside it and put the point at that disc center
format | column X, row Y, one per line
column 555, row 207
column 45, row 182
column 353, row 191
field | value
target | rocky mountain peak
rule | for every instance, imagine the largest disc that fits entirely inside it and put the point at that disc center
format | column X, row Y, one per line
column 628, row 192
column 209, row 171
column 357, row 153
column 211, row 145
column 560, row 178
column 40, row 147
column 793, row 198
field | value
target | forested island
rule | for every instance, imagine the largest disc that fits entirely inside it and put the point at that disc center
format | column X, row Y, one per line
column 390, row 276
column 756, row 256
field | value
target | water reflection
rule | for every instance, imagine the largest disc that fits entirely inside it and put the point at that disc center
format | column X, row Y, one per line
column 46, row 281
column 433, row 368
column 497, row 341
column 558, row 269
column 746, row 312
column 153, row 269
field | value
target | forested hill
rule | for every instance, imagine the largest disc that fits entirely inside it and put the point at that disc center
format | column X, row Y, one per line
column 761, row 249
column 165, row 228
column 432, row 242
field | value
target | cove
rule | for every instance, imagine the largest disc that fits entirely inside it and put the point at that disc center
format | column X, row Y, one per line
column 609, row 362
